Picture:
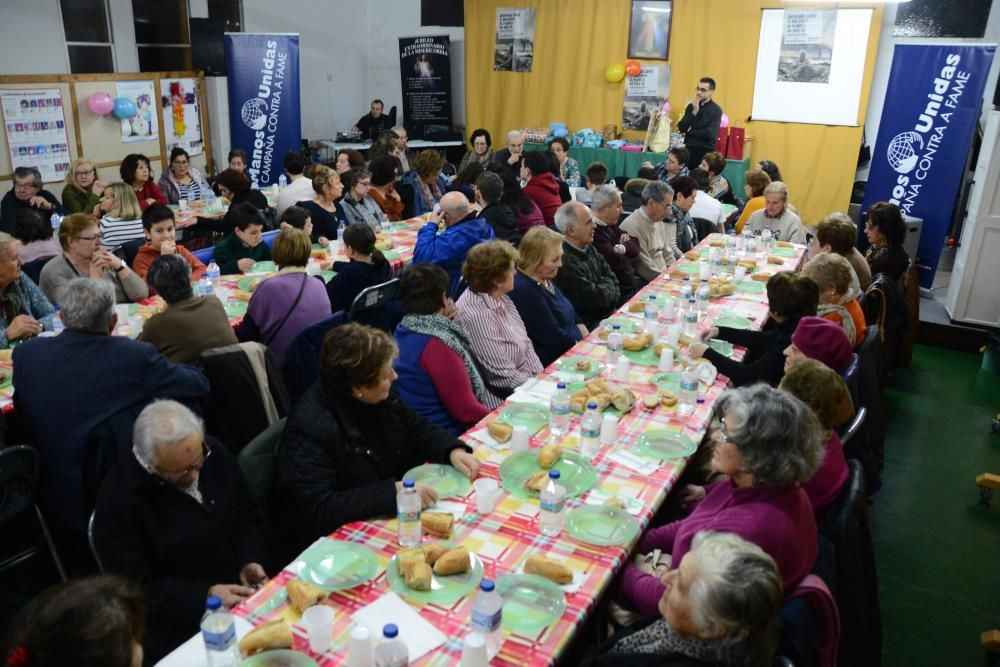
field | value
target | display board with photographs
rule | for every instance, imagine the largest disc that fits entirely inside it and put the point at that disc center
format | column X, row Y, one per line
column 36, row 131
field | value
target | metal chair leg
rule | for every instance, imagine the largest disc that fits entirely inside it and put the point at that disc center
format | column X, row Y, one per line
column 52, row 546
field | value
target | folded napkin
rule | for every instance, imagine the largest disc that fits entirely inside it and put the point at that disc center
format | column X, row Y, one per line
column 419, row 636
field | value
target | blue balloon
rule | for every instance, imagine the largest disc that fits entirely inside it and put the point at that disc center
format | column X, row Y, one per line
column 124, row 108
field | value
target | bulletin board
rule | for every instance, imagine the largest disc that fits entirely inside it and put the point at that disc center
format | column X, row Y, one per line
column 99, row 138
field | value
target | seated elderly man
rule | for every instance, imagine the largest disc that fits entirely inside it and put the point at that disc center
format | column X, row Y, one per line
column 509, row 159
column 69, row 385
column 178, row 518
column 777, row 216
column 646, row 225
column 615, row 245
column 463, row 229
column 585, row 277
column 400, row 137
column 27, row 193
column 190, row 324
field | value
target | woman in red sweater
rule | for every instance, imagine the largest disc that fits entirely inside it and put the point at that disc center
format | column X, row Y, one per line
column 542, row 187
column 136, row 172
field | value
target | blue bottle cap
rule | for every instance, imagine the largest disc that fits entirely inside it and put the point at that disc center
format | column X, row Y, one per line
column 553, row 474
column 389, row 631
column 213, row 602
column 592, row 405
column 616, row 327
column 561, row 385
column 486, row 585
column 652, row 297
column 408, row 483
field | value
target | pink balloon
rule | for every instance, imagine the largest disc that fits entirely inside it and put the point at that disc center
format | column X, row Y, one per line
column 725, row 120
column 100, row 103
column 666, row 106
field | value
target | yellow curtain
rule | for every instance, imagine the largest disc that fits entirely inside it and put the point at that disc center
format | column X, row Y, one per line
column 575, row 41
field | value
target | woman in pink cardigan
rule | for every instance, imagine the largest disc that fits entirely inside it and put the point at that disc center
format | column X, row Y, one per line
column 766, row 442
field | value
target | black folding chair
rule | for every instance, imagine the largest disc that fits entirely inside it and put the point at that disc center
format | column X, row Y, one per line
column 33, row 269
column 19, row 515
column 374, row 306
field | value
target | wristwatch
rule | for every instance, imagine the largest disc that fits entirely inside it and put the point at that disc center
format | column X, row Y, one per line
column 121, row 267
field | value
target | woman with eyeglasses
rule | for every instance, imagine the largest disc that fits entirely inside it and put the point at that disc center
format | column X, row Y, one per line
column 481, row 150
column 357, row 204
column 182, row 180
column 83, row 257
column 765, row 443
column 83, row 189
column 136, row 171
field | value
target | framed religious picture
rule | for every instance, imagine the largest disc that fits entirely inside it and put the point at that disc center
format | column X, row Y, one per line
column 649, row 29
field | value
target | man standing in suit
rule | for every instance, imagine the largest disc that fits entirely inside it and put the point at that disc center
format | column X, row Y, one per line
column 700, row 123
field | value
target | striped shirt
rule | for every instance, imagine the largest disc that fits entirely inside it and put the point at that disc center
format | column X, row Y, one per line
column 499, row 341
column 190, row 191
column 115, row 232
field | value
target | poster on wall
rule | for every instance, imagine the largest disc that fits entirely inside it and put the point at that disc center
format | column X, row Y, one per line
column 819, row 74
column 807, row 46
column 932, row 106
column 36, row 131
column 181, row 115
column 649, row 29
column 515, row 41
column 143, row 126
column 263, row 90
column 425, row 73
column 644, row 93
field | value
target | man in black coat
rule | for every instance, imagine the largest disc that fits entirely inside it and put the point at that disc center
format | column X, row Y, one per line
column 499, row 216
column 509, row 159
column 27, row 193
column 178, row 517
column 374, row 123
column 700, row 123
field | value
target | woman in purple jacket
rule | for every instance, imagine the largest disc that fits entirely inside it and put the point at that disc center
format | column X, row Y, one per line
column 767, row 442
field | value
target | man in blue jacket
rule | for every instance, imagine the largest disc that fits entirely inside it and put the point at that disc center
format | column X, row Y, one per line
column 463, row 229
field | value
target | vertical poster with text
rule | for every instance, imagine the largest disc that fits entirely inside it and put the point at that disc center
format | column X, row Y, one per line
column 36, row 131
column 143, row 126
column 644, row 93
column 181, row 115
column 514, row 47
column 807, row 46
column 425, row 73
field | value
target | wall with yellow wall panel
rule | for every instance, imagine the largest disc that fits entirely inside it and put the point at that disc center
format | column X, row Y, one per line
column 575, row 40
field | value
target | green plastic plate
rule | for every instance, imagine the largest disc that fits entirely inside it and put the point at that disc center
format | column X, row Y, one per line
column 262, row 267
column 279, row 658
column 749, row 286
column 601, row 525
column 576, row 473
column 568, row 365
column 646, row 357
column 733, row 322
column 628, row 325
column 399, row 226
column 249, row 283
column 782, row 251
column 236, row 307
column 327, row 276
column 444, row 590
column 728, row 209
column 670, row 381
column 686, row 266
column 530, row 602
column 446, row 480
column 723, row 347
column 6, row 377
column 391, row 254
column 532, row 415
column 335, row 565
column 663, row 444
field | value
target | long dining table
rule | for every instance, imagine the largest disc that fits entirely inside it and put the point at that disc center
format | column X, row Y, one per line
column 629, row 473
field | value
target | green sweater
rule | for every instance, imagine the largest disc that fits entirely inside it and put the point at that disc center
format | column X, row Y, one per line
column 231, row 250
column 75, row 200
column 588, row 282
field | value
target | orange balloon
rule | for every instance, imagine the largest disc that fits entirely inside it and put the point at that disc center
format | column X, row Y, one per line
column 632, row 68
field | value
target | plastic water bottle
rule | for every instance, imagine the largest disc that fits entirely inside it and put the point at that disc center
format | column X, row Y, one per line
column 219, row 634
column 704, row 292
column 340, row 230
column 205, row 287
column 385, row 226
column 550, row 516
column 211, row 203
column 616, row 343
column 651, row 312
column 559, row 410
column 765, row 240
column 57, row 323
column 487, row 614
column 213, row 273
column 688, row 394
column 590, row 431
column 408, row 513
column 56, row 220
column 203, row 194
column 687, row 289
column 391, row 651
column 741, row 242
column 751, row 249
column 282, row 181
column 691, row 319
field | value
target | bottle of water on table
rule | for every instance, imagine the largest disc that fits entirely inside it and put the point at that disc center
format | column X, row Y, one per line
column 704, row 292
column 408, row 514
column 687, row 289
column 651, row 312
column 391, row 651
column 56, row 220
column 340, row 231
column 559, row 410
column 590, row 431
column 213, row 273
column 691, row 319
column 205, row 287
column 282, row 181
column 219, row 634
column 765, row 240
column 616, row 343
column 550, row 516
column 688, row 394
column 487, row 614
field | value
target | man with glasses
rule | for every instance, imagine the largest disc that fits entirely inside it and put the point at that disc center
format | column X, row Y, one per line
column 509, row 159
column 27, row 193
column 177, row 516
column 700, row 123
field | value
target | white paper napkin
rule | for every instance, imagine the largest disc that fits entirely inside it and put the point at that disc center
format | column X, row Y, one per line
column 419, row 636
column 632, row 462
column 458, row 510
column 600, row 497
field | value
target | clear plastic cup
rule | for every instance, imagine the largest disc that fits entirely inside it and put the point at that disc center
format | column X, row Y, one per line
column 487, row 491
column 519, row 439
column 318, row 622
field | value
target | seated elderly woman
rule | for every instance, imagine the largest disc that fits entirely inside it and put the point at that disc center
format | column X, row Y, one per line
column 177, row 516
column 714, row 163
column 832, row 273
column 823, row 390
column 83, row 189
column 426, row 180
column 190, row 324
column 285, row 304
column 87, row 621
column 499, row 340
column 790, row 297
column 837, row 233
column 777, row 216
column 350, row 438
column 35, row 234
column 757, row 182
column 886, row 232
column 482, row 151
column 569, row 169
column 324, row 214
column 357, row 203
column 347, row 159
column 137, row 173
column 437, row 375
column 24, row 309
column 244, row 247
column 766, row 442
column 719, row 606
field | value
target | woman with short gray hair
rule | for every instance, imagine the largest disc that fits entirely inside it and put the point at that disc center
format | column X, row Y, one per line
column 24, row 309
column 719, row 606
column 190, row 324
column 767, row 442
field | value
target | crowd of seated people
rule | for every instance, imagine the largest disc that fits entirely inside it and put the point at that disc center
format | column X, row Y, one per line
column 503, row 283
